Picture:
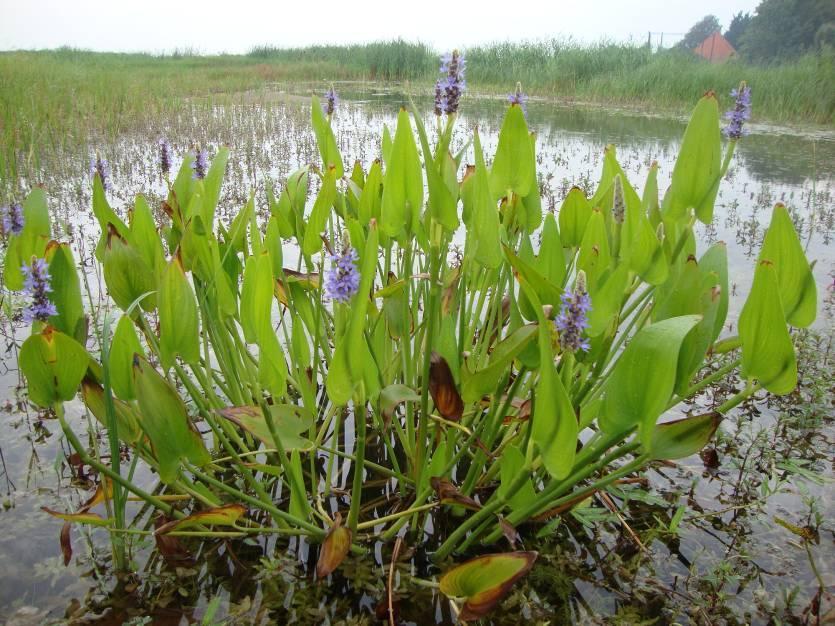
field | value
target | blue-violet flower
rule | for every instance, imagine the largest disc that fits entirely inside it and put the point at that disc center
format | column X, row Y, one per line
column 164, row 157
column 36, row 286
column 452, row 66
column 572, row 320
column 200, row 164
column 738, row 115
column 12, row 219
column 343, row 279
column 100, row 166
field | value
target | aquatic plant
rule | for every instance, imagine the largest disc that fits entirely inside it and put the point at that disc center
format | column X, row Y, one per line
column 502, row 385
column 740, row 114
column 12, row 219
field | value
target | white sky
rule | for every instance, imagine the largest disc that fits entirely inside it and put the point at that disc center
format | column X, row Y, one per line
column 237, row 25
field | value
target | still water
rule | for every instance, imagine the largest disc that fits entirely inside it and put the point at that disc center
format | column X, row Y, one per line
column 775, row 458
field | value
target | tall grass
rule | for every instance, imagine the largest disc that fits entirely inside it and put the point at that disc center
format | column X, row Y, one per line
column 51, row 97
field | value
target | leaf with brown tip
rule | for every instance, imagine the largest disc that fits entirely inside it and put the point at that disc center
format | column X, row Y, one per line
column 442, row 387
column 226, row 515
column 485, row 580
column 448, row 494
column 334, row 549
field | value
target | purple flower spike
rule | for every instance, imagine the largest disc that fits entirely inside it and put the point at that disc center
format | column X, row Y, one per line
column 36, row 286
column 200, row 165
column 440, row 99
column 453, row 84
column 343, row 279
column 12, row 219
column 519, row 98
column 740, row 114
column 331, row 102
column 100, row 166
column 164, row 157
column 572, row 320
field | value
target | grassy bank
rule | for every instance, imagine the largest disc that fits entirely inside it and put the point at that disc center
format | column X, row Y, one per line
column 51, row 97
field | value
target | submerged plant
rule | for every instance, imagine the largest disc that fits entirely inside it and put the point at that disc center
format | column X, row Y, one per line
column 479, row 382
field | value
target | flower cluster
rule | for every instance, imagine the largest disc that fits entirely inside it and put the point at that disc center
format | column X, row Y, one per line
column 200, row 164
column 738, row 115
column 165, row 157
column 343, row 279
column 100, row 166
column 519, row 98
column 572, row 320
column 448, row 89
column 36, row 286
column 12, row 219
column 331, row 102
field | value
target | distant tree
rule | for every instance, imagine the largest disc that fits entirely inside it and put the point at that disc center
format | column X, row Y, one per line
column 700, row 31
column 786, row 28
column 739, row 24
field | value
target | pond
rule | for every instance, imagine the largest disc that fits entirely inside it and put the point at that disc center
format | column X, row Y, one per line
column 707, row 538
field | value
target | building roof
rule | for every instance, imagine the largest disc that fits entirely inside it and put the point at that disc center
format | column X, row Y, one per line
column 715, row 48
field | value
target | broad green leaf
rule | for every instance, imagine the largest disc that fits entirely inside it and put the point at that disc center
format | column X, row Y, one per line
column 514, row 167
column 681, row 438
column 531, row 213
column 551, row 260
column 606, row 299
column 257, row 296
column 127, row 418
column 485, row 216
column 696, row 174
column 32, row 240
column 212, row 184
column 574, row 215
column 123, row 347
column 485, row 580
column 477, row 384
column 144, row 235
column 107, row 217
column 715, row 261
column 767, row 350
column 290, row 423
column 178, row 320
column 325, row 139
column 403, row 185
column 782, row 247
column 54, row 365
column 165, row 421
column 66, row 292
column 643, row 378
column 299, row 504
column 649, row 201
column 442, row 204
column 594, row 258
column 372, row 195
column 127, row 275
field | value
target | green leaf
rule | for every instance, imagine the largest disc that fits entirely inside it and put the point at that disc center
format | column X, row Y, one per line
column 166, row 422
column 212, row 184
column 574, row 215
column 484, row 381
column 403, row 185
column 715, row 261
column 696, row 174
column 127, row 275
column 681, row 438
column 551, row 260
column 226, row 515
column 54, row 365
column 767, row 350
column 178, row 320
column 290, row 423
column 107, row 217
column 299, row 504
column 123, row 347
column 511, row 464
column 782, row 247
column 485, row 580
column 31, row 241
column 643, row 377
column 485, row 216
column 127, row 418
column 144, row 235
column 325, row 139
column 318, row 220
column 594, row 258
column 442, row 204
column 66, row 292
column 513, row 167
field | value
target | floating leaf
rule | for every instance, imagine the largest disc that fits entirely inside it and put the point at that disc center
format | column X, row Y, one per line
column 485, row 580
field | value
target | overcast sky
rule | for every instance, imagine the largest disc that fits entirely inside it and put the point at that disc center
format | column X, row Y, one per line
column 237, row 25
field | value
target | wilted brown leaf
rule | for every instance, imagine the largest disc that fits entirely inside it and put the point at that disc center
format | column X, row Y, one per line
column 442, row 387
column 334, row 548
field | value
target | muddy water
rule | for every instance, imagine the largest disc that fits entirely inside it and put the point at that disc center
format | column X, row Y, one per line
column 774, row 459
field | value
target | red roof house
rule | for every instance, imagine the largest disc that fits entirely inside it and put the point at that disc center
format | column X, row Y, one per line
column 715, row 48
